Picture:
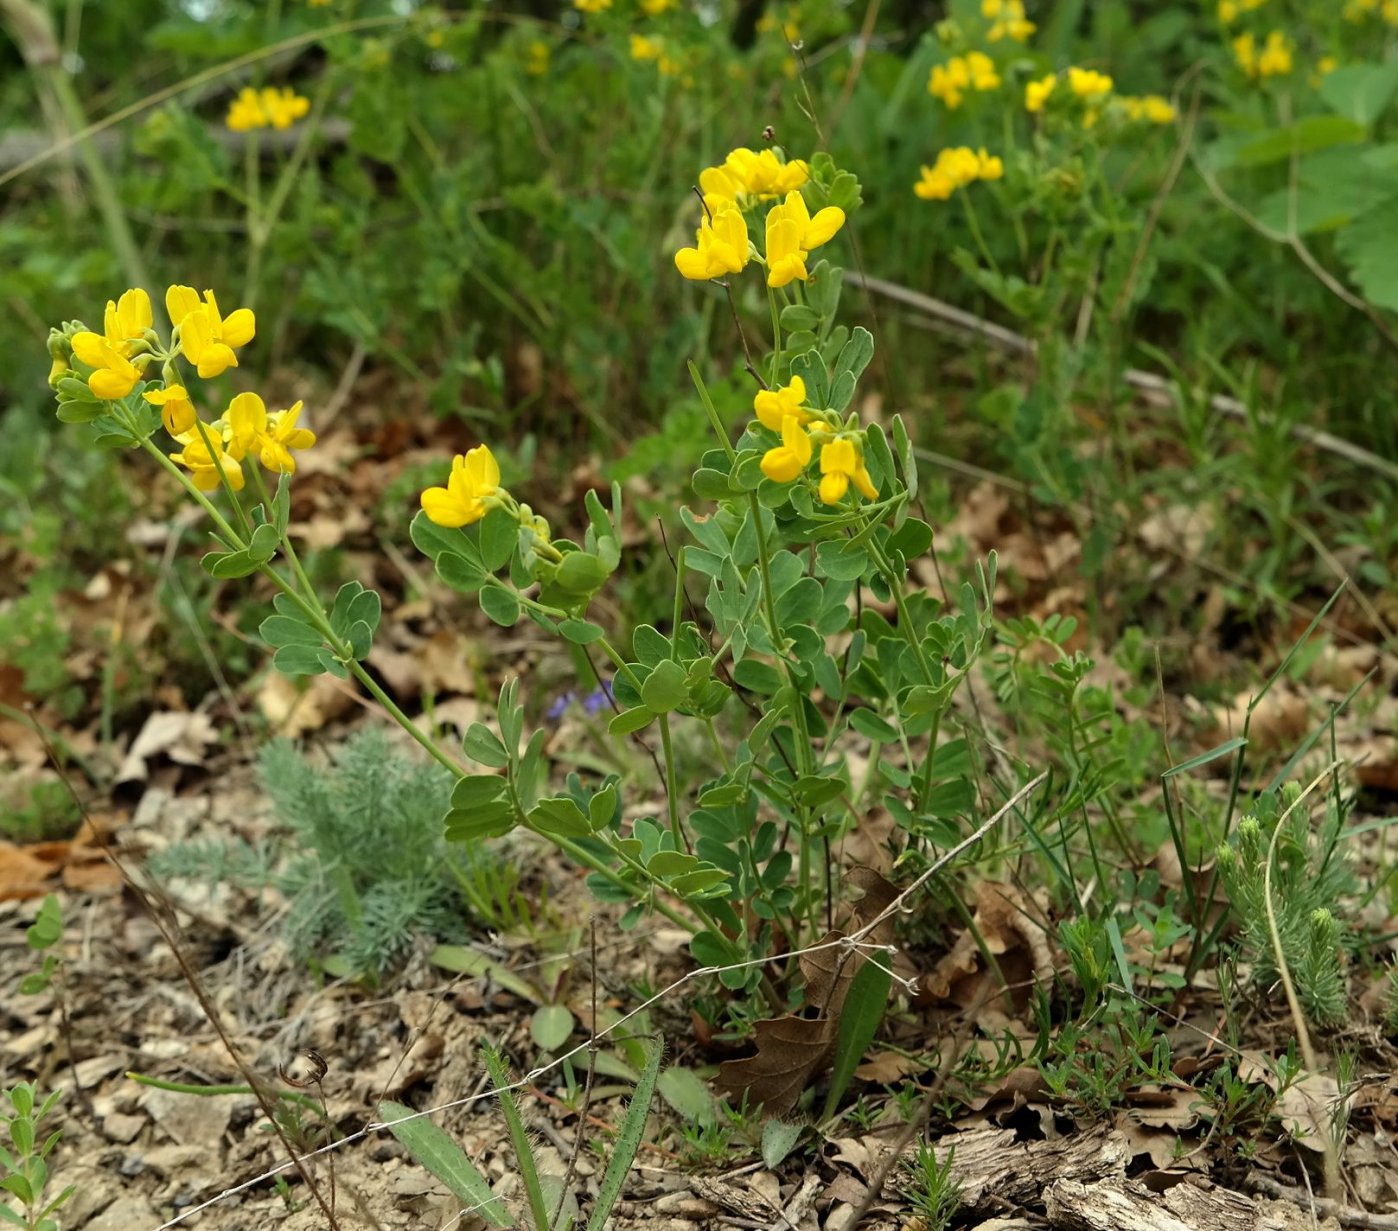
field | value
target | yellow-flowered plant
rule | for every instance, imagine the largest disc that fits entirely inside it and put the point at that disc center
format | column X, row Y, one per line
column 538, row 57
column 1152, row 109
column 1272, row 59
column 722, row 246
column 1088, row 84
column 745, row 178
column 955, row 168
column 1230, row 10
column 1037, row 93
column 119, row 354
column 592, row 6
column 268, row 107
column 203, row 335
column 472, row 490
column 1007, row 21
column 950, row 82
column 792, row 234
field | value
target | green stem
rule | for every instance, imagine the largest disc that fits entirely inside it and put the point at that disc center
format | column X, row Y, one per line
column 775, row 379
column 719, row 430
column 965, row 195
column 619, row 662
column 672, row 787
column 182, row 1087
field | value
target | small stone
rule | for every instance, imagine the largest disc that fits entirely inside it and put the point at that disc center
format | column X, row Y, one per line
column 123, row 1128
column 123, row 1214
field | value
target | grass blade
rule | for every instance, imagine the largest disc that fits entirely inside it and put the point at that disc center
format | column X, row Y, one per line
column 628, row 1140
column 524, row 1150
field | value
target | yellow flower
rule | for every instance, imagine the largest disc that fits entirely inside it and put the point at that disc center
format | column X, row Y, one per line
column 1088, row 84
column 643, row 48
column 772, row 406
column 1275, row 57
column 1036, row 93
column 207, row 339
column 283, row 107
column 982, row 70
column 176, row 410
column 203, row 464
column 474, row 479
column 988, row 166
column 1008, row 20
column 653, row 8
column 840, row 465
column 792, row 233
column 1228, row 11
column 791, row 457
column 949, row 82
column 537, row 63
column 592, row 6
column 1245, row 53
column 723, row 247
column 935, row 184
column 109, row 353
column 245, row 112
column 272, row 437
column 745, row 176
column 1155, row 109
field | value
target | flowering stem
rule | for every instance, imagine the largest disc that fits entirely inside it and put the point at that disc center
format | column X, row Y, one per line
column 776, row 339
column 719, row 430
column 970, row 209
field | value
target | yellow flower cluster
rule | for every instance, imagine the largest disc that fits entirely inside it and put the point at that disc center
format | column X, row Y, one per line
column 119, row 354
column 1007, row 20
column 653, row 8
column 955, row 168
column 949, row 82
column 207, row 338
column 722, row 245
column 1229, row 10
column 537, row 57
column 1151, row 108
column 266, row 108
column 592, row 6
column 471, row 491
column 1273, row 59
column 214, row 451
column 841, row 452
column 1089, row 85
column 644, row 48
column 744, row 177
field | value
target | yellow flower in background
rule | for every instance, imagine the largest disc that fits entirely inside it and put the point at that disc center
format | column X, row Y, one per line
column 643, row 48
column 949, row 82
column 653, row 8
column 176, row 410
column 245, row 113
column 1228, row 10
column 1088, row 84
column 592, row 6
column 1036, row 93
column 772, row 406
column 271, row 436
column 1152, row 108
column 537, row 60
column 206, row 459
column 266, row 108
column 1008, row 20
column 110, row 353
column 284, row 107
column 1275, row 58
column 722, row 247
column 841, row 465
column 791, row 457
column 207, row 339
column 982, row 70
column 955, row 168
column 474, row 479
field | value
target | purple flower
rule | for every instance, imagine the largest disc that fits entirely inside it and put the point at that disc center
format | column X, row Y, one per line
column 598, row 699
column 559, row 706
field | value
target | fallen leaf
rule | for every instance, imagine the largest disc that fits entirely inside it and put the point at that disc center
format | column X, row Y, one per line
column 293, row 711
column 180, row 736
column 22, row 874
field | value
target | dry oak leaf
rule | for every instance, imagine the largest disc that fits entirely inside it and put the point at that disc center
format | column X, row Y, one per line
column 22, row 873
column 292, row 710
column 1012, row 935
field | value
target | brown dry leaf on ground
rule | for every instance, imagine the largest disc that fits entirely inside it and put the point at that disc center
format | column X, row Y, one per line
column 293, row 711
column 1279, row 721
column 1013, row 935
column 79, row 863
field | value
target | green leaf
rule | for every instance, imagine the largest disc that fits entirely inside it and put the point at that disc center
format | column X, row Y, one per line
column 280, row 630
column 475, row 790
column 1313, row 132
column 1360, row 92
column 907, row 459
column 18, row 1185
column 581, row 573
column 859, row 1020
column 492, row 820
column 839, row 561
column 1367, row 248
column 628, row 722
column 263, row 544
column 500, row 604
column 796, row 317
column 462, row 573
column 628, row 1140
column 779, row 1138
column 436, row 1151
column 686, row 1092
column 226, row 565
column 559, row 816
column 483, row 746
column 551, row 1026
column 757, row 676
column 468, row 960
column 710, row 484
column 499, row 533
column 47, row 928
column 581, row 632
column 666, row 688
column 870, row 725
column 281, row 504
column 306, row 660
